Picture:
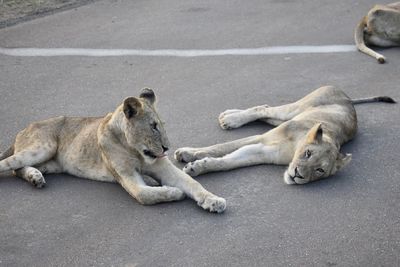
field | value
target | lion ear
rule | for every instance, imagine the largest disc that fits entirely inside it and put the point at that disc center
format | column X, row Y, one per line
column 342, row 161
column 148, row 94
column 314, row 135
column 132, row 107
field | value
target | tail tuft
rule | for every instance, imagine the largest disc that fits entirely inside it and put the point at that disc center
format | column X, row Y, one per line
column 386, row 99
column 381, row 59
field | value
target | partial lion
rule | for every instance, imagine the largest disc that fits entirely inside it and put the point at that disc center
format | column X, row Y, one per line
column 308, row 138
column 126, row 146
column 381, row 27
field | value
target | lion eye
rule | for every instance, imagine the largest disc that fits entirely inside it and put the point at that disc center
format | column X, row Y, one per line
column 154, row 126
column 307, row 154
column 320, row 170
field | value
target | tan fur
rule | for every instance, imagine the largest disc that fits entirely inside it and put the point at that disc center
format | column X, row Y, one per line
column 381, row 27
column 125, row 146
column 308, row 138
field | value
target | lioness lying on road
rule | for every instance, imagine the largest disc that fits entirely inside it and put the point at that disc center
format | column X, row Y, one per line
column 381, row 27
column 308, row 138
column 124, row 147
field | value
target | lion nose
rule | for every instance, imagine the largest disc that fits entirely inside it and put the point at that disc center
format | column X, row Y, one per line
column 165, row 149
column 297, row 174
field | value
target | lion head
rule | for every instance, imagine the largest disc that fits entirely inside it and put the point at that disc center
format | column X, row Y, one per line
column 143, row 128
column 315, row 159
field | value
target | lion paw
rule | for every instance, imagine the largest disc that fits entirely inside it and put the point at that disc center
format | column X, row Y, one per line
column 37, row 179
column 213, row 203
column 185, row 154
column 230, row 119
column 196, row 167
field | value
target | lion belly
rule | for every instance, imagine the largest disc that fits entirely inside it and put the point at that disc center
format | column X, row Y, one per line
column 79, row 154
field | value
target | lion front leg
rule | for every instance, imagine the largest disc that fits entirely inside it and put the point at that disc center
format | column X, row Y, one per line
column 189, row 154
column 132, row 181
column 147, row 195
column 249, row 155
column 170, row 175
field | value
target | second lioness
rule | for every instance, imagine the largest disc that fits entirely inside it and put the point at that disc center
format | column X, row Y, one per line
column 125, row 146
column 381, row 27
column 308, row 138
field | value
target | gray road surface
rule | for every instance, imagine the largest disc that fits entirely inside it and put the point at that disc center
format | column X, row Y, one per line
column 351, row 219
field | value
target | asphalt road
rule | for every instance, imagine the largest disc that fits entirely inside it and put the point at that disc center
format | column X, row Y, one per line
column 351, row 219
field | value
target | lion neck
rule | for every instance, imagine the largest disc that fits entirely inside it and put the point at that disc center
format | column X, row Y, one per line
column 117, row 125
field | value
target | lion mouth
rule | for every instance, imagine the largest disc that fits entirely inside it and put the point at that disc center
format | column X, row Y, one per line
column 152, row 155
column 301, row 180
column 297, row 174
column 291, row 179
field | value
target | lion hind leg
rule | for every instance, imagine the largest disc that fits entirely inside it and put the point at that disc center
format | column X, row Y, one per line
column 32, row 175
column 51, row 166
column 271, row 115
column 28, row 157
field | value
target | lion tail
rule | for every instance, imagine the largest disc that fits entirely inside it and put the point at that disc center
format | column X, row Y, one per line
column 360, row 43
column 385, row 99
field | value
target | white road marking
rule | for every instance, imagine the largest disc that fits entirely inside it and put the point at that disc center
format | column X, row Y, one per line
column 272, row 50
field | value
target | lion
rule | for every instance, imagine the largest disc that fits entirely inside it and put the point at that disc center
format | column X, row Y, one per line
column 308, row 138
column 381, row 27
column 127, row 146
